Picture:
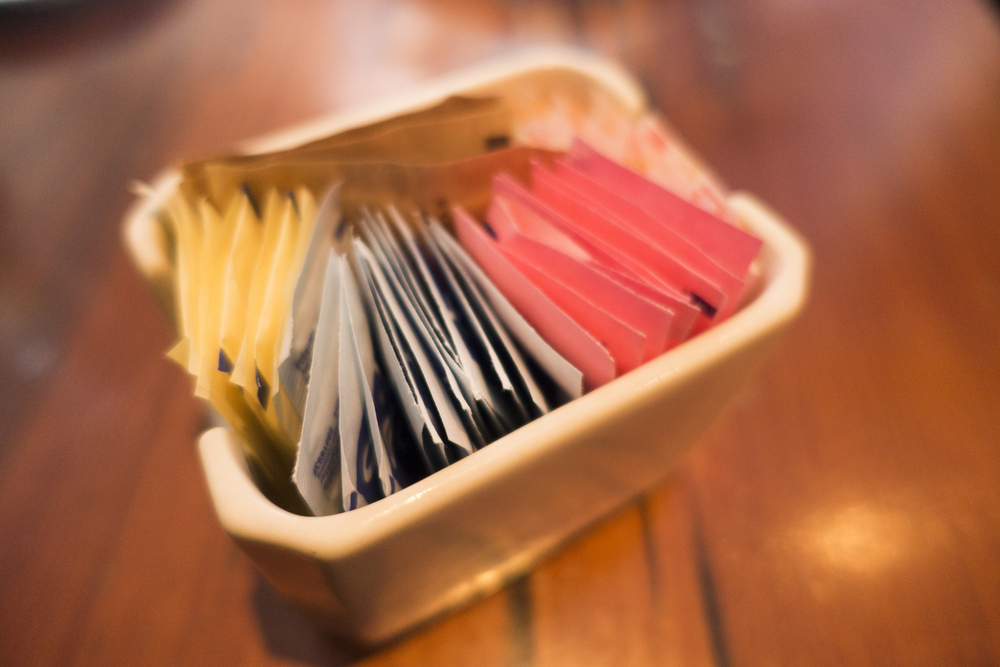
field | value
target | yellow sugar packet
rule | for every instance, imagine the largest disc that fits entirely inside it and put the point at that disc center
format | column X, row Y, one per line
column 210, row 291
column 272, row 313
column 239, row 247
column 243, row 369
column 188, row 232
column 244, row 255
column 305, row 206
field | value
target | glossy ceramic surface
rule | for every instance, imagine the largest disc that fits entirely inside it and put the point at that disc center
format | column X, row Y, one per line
column 465, row 531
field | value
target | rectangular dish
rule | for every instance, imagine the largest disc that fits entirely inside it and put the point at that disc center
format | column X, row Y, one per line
column 465, row 531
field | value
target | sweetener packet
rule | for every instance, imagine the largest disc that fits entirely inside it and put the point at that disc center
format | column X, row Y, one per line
column 527, row 386
column 662, row 157
column 317, row 471
column 400, row 366
column 370, row 469
column 440, row 401
column 275, row 216
column 624, row 343
column 568, row 354
column 613, row 299
column 595, row 335
column 537, row 221
column 268, row 329
column 403, row 306
column 226, row 285
column 730, row 247
column 215, row 227
column 352, row 451
column 663, row 236
column 295, row 355
column 502, row 393
column 396, row 452
column 415, row 292
column 247, row 248
column 363, row 460
column 452, row 350
column 188, row 232
column 457, row 334
column 596, row 227
column 640, row 313
column 216, row 262
column 197, row 289
column 306, row 210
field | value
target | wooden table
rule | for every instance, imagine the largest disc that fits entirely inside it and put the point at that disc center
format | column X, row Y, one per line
column 844, row 511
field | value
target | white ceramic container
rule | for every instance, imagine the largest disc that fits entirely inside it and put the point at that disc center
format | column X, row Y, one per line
column 465, row 531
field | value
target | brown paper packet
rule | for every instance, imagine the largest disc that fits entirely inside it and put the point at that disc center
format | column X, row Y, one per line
column 432, row 188
column 456, row 106
column 455, row 129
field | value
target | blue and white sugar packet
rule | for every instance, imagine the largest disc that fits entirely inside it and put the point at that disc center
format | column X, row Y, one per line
column 528, row 390
column 416, row 329
column 566, row 376
column 364, row 465
column 511, row 412
column 467, row 368
column 398, row 363
column 295, row 354
column 443, row 413
column 318, row 462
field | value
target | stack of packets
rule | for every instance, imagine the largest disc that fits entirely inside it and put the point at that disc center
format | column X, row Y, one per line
column 369, row 308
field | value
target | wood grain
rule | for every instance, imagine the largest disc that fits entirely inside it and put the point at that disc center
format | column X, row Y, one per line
column 580, row 618
column 845, row 510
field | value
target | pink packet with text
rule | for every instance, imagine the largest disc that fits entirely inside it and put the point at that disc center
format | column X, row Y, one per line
column 530, row 222
column 684, row 314
column 539, row 222
column 624, row 343
column 543, row 223
column 661, row 235
column 567, row 337
column 730, row 247
column 661, row 156
column 601, row 228
column 638, row 312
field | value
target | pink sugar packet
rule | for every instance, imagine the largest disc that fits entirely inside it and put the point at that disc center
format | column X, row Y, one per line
column 656, row 232
column 623, row 343
column 568, row 338
column 539, row 222
column 600, row 228
column 659, row 154
column 683, row 313
column 638, row 312
column 530, row 221
column 730, row 247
